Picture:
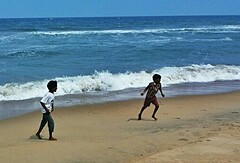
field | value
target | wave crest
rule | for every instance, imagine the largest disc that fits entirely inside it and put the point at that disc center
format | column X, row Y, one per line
column 106, row 81
column 209, row 29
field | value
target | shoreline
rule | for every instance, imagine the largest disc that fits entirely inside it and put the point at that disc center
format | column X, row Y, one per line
column 110, row 132
column 140, row 100
column 16, row 108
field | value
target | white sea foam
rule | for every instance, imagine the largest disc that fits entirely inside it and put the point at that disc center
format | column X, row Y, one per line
column 213, row 40
column 11, row 37
column 208, row 29
column 106, row 81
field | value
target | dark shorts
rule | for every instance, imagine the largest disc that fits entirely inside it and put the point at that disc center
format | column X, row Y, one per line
column 152, row 100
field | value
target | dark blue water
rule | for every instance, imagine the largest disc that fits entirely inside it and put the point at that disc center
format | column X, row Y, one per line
column 109, row 54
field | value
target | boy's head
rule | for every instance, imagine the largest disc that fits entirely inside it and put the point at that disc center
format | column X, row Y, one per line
column 52, row 86
column 157, row 78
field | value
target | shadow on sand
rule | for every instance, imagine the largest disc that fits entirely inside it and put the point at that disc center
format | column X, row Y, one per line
column 34, row 137
column 143, row 119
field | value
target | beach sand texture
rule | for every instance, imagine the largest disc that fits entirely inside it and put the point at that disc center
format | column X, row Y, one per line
column 203, row 128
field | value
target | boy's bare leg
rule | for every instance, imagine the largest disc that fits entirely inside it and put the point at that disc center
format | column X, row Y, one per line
column 154, row 112
column 155, row 118
column 139, row 117
column 140, row 114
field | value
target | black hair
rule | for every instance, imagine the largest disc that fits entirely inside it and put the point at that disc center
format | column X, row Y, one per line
column 156, row 76
column 52, row 84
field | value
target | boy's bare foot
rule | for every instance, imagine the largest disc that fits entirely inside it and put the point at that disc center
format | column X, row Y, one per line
column 139, row 117
column 38, row 135
column 155, row 118
column 53, row 139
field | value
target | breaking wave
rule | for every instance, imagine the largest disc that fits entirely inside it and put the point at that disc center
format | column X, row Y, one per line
column 107, row 81
column 209, row 29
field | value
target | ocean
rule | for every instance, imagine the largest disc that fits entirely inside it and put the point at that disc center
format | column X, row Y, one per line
column 109, row 59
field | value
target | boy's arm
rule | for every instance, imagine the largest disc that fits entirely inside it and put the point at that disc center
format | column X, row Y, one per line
column 52, row 107
column 44, row 107
column 145, row 90
column 160, row 89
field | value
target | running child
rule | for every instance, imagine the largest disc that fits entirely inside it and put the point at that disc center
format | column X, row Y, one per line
column 152, row 90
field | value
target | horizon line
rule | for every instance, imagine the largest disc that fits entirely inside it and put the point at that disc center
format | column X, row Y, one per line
column 56, row 17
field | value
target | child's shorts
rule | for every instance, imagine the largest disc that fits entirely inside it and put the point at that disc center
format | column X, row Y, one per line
column 152, row 100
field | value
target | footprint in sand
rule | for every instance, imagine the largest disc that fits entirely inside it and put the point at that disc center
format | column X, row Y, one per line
column 182, row 133
column 196, row 134
column 183, row 139
column 215, row 129
column 235, row 124
column 155, row 131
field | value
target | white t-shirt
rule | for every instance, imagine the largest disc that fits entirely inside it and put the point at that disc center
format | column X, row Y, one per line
column 48, row 100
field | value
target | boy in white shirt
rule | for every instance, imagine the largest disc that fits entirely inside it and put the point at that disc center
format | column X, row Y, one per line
column 47, row 103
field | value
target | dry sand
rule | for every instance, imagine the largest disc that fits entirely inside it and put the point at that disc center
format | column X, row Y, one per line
column 189, row 129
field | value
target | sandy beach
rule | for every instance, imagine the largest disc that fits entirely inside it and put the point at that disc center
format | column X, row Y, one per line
column 204, row 128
